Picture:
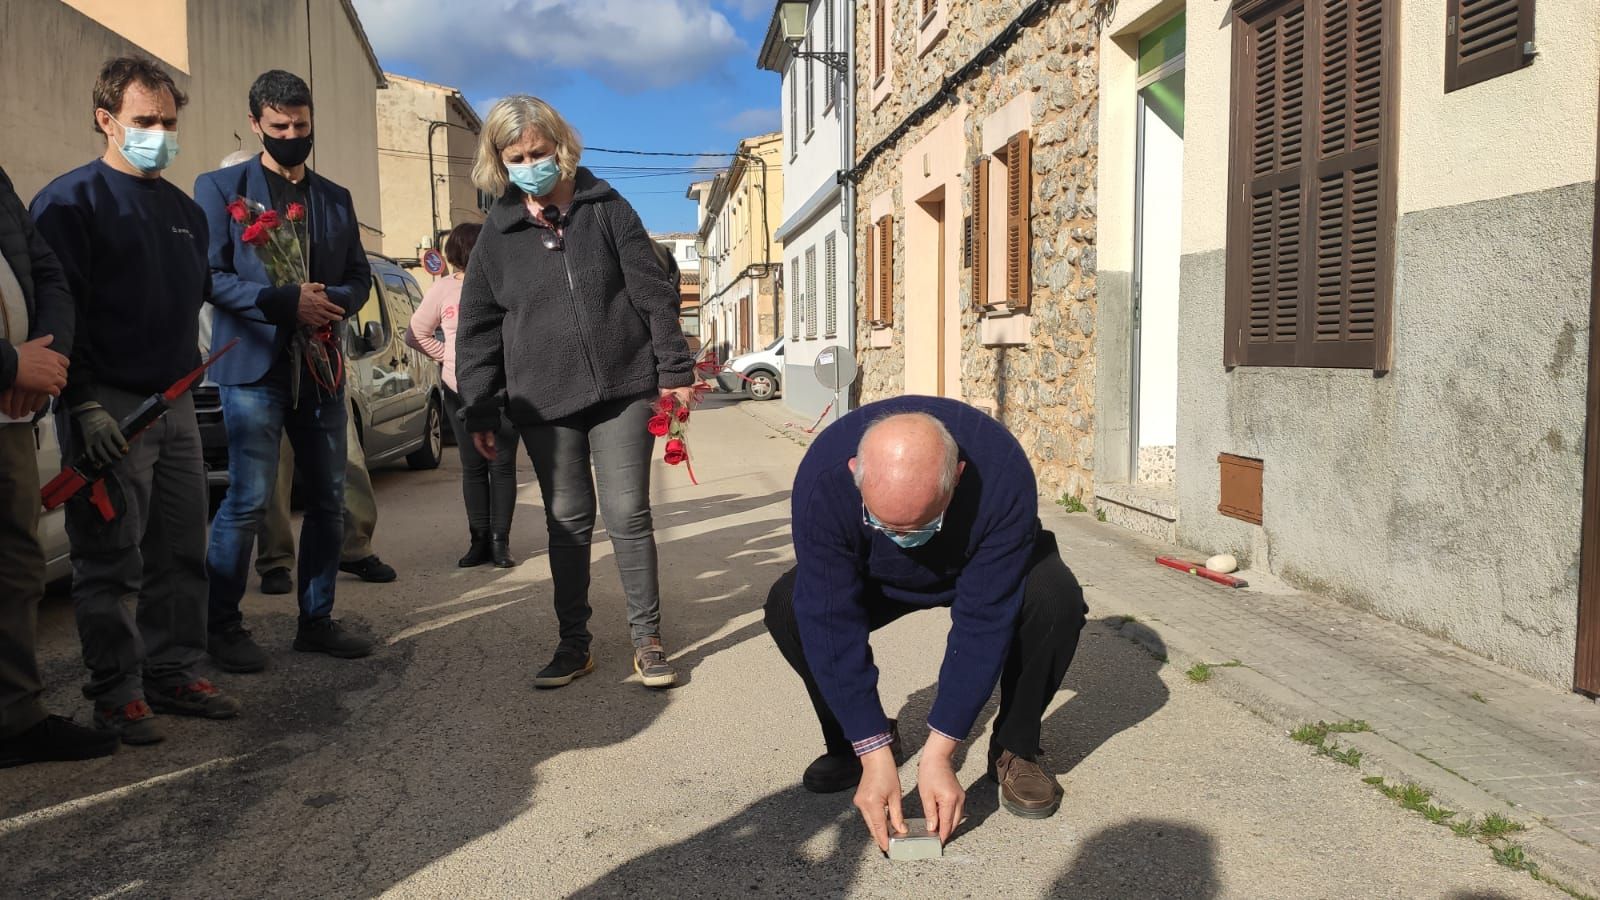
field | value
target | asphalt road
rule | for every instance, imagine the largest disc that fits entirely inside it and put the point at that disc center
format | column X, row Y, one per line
column 434, row 769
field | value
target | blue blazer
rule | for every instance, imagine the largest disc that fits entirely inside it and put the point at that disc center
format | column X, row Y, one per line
column 248, row 307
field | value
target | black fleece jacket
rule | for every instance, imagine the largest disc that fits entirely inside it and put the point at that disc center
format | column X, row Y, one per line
column 562, row 330
column 44, row 282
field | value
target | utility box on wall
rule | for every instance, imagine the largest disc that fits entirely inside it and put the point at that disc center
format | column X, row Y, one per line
column 1241, row 488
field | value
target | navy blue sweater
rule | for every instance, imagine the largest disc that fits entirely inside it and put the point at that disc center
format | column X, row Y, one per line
column 134, row 252
column 977, row 565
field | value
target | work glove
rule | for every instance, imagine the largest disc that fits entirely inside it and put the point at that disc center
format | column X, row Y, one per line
column 102, row 437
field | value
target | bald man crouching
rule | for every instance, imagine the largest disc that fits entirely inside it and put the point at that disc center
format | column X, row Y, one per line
column 905, row 505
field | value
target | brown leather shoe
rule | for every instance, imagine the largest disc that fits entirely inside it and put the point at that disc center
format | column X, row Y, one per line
column 1026, row 790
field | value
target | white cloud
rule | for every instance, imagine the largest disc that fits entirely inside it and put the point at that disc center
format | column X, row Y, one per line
column 753, row 121
column 629, row 45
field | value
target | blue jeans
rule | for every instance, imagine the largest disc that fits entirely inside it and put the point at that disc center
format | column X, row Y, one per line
column 258, row 416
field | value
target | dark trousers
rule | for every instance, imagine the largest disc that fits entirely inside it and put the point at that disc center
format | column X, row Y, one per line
column 614, row 438
column 21, row 581
column 1045, row 640
column 139, row 581
column 488, row 487
column 258, row 416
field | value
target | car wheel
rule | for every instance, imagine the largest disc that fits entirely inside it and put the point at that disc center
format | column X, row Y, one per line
column 432, row 450
column 763, row 386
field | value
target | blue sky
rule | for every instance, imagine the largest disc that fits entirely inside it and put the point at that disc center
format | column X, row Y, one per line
column 674, row 75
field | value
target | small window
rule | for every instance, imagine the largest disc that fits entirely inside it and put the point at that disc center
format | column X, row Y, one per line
column 830, row 45
column 1485, row 39
column 830, row 273
column 880, row 38
column 883, row 276
column 1002, row 271
column 811, row 292
column 811, row 89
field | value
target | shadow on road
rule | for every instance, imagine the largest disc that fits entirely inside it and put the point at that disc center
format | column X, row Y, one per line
column 770, row 848
column 349, row 777
column 1144, row 858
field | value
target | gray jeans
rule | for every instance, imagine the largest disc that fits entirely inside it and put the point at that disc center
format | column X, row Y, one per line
column 614, row 438
column 152, row 556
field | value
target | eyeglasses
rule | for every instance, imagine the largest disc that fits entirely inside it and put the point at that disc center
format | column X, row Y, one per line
column 930, row 529
column 552, row 240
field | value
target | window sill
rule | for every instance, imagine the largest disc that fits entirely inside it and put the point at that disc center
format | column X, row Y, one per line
column 882, row 336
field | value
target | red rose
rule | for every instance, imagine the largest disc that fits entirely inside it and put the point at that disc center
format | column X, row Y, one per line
column 295, row 213
column 683, row 414
column 269, row 219
column 256, row 235
column 665, row 404
column 707, row 367
column 676, row 452
column 238, row 211
column 658, row 425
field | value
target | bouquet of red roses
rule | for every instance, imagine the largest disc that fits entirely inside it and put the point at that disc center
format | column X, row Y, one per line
column 671, row 421
column 282, row 243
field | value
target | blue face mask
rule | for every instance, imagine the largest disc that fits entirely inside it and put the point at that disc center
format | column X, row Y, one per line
column 536, row 179
column 906, row 540
column 148, row 149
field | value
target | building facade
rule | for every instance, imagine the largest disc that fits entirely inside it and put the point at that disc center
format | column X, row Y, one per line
column 214, row 51
column 975, row 211
column 815, row 233
column 427, row 136
column 740, row 306
column 1383, row 279
column 687, row 255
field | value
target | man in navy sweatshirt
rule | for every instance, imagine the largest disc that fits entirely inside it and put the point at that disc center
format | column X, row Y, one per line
column 133, row 247
column 905, row 505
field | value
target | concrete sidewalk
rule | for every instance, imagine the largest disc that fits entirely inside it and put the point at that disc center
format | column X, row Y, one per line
column 1484, row 738
column 1481, row 736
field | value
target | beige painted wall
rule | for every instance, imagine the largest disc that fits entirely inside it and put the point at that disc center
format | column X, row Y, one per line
column 161, row 27
column 56, row 51
column 404, row 110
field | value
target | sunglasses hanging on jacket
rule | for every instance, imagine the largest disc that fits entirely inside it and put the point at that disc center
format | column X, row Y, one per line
column 552, row 237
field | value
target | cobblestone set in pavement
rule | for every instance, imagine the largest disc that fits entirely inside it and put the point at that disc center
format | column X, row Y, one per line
column 1523, row 742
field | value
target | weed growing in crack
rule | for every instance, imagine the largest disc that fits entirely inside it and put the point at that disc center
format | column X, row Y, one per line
column 1437, row 815
column 1071, row 503
column 1513, row 856
column 1465, row 828
column 1350, row 756
column 1478, row 697
column 1495, row 825
column 1199, row 673
column 1100, row 515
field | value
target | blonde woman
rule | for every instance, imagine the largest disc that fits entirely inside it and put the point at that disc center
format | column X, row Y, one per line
column 566, row 310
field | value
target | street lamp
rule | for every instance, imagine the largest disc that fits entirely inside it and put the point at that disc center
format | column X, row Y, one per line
column 793, row 19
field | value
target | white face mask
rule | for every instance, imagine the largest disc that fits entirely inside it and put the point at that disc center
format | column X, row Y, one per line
column 148, row 149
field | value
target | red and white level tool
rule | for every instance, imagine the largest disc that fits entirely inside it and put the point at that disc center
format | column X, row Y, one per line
column 1173, row 562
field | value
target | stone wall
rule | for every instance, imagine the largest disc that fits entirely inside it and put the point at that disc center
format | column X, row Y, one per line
column 1042, row 388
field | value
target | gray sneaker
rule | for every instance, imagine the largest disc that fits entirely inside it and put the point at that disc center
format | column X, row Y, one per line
column 650, row 661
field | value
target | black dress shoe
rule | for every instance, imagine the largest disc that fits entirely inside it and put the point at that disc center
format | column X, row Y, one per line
column 277, row 581
column 56, row 739
column 833, row 772
column 370, row 569
column 332, row 638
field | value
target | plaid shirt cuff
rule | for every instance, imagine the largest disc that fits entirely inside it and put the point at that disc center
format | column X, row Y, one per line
column 942, row 734
column 876, row 742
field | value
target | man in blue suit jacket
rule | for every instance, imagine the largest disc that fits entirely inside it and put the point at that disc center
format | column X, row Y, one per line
column 263, row 398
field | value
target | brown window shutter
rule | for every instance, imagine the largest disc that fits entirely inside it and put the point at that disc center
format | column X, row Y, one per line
column 1485, row 39
column 1346, row 198
column 1310, row 242
column 879, row 33
column 886, row 270
column 979, row 238
column 1019, row 221
column 927, row 7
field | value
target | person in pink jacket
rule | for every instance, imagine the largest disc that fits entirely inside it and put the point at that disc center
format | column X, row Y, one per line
column 488, row 487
